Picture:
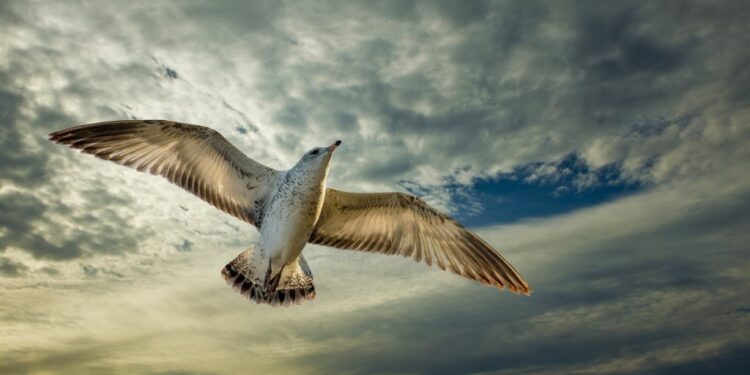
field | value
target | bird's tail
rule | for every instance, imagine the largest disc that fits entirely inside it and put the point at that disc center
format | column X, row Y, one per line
column 247, row 274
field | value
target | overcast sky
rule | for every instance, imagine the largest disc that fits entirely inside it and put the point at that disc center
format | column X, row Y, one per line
column 602, row 147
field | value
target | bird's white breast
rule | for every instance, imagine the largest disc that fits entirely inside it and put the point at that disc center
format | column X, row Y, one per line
column 290, row 218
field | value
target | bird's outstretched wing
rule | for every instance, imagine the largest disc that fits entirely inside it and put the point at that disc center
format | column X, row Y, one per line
column 401, row 224
column 193, row 157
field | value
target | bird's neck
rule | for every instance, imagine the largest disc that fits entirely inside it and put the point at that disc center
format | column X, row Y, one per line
column 308, row 180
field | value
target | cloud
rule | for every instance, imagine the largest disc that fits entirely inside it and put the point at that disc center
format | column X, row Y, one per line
column 11, row 268
column 437, row 98
column 631, row 290
column 23, row 168
column 185, row 246
column 647, row 283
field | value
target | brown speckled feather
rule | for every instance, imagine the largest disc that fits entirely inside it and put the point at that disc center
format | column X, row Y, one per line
column 401, row 224
column 193, row 157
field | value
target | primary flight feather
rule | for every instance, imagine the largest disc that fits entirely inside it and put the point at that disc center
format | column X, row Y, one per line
column 291, row 208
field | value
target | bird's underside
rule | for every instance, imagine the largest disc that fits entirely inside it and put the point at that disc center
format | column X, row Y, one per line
column 203, row 162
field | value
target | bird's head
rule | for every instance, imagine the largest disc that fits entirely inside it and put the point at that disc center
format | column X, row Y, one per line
column 315, row 162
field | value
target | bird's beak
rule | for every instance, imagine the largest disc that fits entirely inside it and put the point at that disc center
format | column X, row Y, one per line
column 333, row 146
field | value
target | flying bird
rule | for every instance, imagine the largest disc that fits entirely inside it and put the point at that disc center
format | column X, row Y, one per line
column 291, row 208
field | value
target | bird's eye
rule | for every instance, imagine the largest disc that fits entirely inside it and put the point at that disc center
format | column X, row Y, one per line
column 314, row 152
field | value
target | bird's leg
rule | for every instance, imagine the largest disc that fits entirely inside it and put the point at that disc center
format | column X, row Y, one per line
column 275, row 282
column 267, row 279
column 271, row 283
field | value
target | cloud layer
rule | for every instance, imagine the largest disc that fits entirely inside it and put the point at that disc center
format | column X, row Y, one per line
column 446, row 99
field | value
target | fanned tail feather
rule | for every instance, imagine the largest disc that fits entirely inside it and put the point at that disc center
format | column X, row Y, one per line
column 247, row 272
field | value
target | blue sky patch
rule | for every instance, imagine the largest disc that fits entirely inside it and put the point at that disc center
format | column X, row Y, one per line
column 537, row 190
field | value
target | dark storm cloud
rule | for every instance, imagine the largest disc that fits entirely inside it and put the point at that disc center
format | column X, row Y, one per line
column 11, row 268
column 292, row 115
column 609, row 45
column 734, row 361
column 236, row 16
column 17, row 164
column 8, row 14
column 20, row 212
column 93, row 271
column 103, row 230
column 462, row 13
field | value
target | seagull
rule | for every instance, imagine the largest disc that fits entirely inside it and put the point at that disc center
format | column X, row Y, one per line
column 291, row 209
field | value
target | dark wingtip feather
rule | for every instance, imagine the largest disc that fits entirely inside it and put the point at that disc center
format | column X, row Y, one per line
column 523, row 289
column 58, row 135
column 83, row 131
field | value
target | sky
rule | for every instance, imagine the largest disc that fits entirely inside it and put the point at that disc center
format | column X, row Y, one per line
column 601, row 147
